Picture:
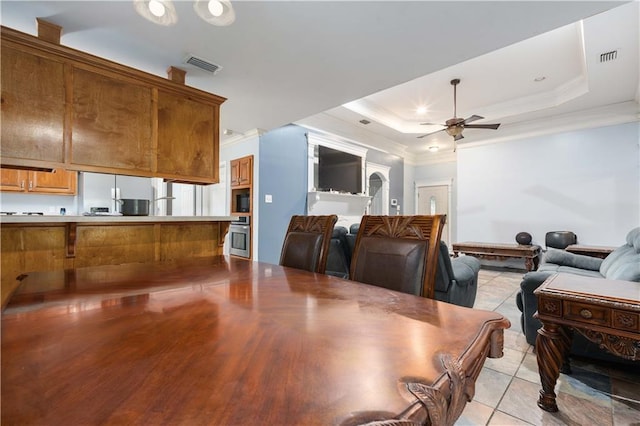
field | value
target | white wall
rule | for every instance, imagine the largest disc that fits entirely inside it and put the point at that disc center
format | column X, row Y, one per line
column 585, row 181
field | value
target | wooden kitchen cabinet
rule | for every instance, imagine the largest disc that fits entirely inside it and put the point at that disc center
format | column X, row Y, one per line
column 33, row 106
column 63, row 108
column 187, row 130
column 59, row 181
column 12, row 180
column 112, row 123
column 242, row 171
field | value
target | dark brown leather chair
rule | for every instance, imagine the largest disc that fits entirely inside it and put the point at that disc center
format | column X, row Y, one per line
column 306, row 243
column 398, row 252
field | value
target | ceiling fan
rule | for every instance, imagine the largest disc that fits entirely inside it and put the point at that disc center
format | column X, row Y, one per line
column 454, row 126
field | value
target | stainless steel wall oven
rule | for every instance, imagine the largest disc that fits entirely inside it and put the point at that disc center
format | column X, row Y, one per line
column 240, row 237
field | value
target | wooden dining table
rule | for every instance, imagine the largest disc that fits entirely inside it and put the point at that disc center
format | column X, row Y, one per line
column 223, row 340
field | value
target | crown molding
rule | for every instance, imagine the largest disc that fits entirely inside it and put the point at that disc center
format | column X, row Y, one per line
column 242, row 137
column 328, row 124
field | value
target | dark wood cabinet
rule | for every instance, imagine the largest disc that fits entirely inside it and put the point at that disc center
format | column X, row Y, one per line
column 33, row 106
column 112, row 123
column 187, row 142
column 62, row 108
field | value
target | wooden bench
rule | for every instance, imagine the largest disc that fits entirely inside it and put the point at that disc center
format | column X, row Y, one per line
column 494, row 251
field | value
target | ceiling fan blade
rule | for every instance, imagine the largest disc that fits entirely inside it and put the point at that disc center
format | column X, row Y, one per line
column 427, row 134
column 473, row 118
column 482, row 126
column 432, row 124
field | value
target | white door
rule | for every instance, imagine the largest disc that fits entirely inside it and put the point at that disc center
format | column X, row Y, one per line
column 435, row 200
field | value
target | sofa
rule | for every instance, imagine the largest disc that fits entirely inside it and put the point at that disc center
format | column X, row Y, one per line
column 339, row 257
column 621, row 264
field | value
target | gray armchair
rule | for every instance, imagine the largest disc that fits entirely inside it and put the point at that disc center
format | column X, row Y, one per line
column 457, row 278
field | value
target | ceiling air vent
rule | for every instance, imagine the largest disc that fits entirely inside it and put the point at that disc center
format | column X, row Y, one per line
column 609, row 56
column 363, row 121
column 202, row 64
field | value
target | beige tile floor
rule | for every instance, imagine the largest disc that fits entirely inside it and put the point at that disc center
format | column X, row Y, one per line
column 507, row 390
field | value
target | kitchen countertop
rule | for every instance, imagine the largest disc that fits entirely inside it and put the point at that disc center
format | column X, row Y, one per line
column 111, row 219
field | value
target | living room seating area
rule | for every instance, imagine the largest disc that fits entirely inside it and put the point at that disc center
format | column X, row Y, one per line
column 621, row 264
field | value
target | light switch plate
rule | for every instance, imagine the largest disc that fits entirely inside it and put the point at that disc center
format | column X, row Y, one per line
column 268, row 198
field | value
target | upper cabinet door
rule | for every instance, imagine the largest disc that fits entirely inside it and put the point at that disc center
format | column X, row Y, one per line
column 187, row 138
column 242, row 171
column 33, row 107
column 112, row 123
column 245, row 171
column 235, row 172
column 57, row 182
column 13, row 180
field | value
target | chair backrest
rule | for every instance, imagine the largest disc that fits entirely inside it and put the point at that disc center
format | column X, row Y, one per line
column 306, row 243
column 398, row 252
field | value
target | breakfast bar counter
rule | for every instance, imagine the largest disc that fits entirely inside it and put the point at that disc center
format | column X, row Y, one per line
column 45, row 243
column 106, row 219
column 222, row 340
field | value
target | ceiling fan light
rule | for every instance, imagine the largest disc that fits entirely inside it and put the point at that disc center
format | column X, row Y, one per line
column 215, row 12
column 454, row 130
column 161, row 12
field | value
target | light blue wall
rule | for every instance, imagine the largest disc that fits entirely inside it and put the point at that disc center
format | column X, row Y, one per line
column 585, row 181
column 283, row 175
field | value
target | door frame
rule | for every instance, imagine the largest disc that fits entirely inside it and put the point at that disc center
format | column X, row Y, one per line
column 383, row 172
column 449, row 184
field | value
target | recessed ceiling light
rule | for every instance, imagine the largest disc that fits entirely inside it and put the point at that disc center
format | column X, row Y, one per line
column 156, row 8
column 539, row 79
column 215, row 7
column 433, row 148
column 215, row 12
column 161, row 12
column 421, row 109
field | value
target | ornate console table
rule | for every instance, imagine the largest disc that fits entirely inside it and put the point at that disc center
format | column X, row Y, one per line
column 606, row 312
column 593, row 251
column 493, row 251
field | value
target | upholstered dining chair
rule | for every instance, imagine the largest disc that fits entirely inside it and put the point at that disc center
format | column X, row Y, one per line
column 398, row 252
column 306, row 243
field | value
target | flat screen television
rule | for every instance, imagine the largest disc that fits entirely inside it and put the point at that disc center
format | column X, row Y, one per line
column 339, row 171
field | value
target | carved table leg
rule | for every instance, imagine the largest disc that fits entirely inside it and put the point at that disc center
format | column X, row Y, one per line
column 528, row 263
column 552, row 346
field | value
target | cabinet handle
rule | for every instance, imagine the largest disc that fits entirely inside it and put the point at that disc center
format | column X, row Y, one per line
column 586, row 314
column 22, row 184
column 30, row 184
